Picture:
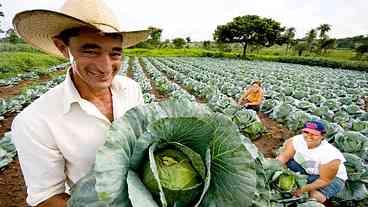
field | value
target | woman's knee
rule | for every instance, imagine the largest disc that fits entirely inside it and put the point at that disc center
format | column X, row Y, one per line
column 318, row 196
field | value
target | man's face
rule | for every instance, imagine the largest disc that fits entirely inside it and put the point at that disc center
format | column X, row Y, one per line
column 97, row 58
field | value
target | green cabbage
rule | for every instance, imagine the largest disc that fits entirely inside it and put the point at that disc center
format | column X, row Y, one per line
column 286, row 182
column 152, row 146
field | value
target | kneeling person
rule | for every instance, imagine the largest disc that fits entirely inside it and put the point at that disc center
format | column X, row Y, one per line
column 310, row 154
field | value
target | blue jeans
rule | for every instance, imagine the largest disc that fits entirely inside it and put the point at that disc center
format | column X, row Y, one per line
column 329, row 191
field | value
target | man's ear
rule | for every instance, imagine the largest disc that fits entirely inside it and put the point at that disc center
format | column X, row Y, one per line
column 61, row 46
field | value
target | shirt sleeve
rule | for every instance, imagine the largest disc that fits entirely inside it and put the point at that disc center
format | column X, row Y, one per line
column 41, row 162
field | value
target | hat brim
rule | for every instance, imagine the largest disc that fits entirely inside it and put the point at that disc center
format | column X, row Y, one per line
column 37, row 27
column 312, row 131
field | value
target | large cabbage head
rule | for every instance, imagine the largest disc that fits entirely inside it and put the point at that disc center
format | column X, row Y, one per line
column 352, row 142
column 170, row 154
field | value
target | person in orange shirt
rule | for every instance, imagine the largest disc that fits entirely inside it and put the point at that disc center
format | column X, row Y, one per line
column 252, row 97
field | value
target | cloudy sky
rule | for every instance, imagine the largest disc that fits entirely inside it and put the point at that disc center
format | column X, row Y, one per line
column 198, row 18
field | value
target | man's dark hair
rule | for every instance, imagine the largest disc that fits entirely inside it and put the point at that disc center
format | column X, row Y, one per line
column 65, row 35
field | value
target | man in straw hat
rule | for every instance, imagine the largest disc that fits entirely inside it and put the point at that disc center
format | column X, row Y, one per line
column 58, row 134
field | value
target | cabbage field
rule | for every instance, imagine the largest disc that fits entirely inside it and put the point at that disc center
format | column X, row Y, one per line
column 294, row 94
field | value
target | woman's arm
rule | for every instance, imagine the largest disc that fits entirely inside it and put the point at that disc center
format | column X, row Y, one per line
column 327, row 173
column 241, row 99
column 287, row 153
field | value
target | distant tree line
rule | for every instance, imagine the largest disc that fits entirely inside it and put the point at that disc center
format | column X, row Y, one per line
column 248, row 33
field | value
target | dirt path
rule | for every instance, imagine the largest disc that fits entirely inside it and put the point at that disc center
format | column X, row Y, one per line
column 274, row 138
column 12, row 186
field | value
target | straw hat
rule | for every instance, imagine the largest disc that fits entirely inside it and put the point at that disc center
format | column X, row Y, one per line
column 37, row 27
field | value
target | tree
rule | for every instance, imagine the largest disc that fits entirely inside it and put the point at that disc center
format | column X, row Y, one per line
column 326, row 44
column 188, row 39
column 289, row 37
column 249, row 30
column 153, row 40
column 178, row 42
column 324, row 41
column 323, row 29
column 310, row 39
column 206, row 44
column 165, row 44
column 300, row 47
column 12, row 37
column 360, row 50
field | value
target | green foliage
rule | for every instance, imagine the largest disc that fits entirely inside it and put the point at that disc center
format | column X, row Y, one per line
column 12, row 37
column 318, row 61
column 361, row 50
column 172, row 52
column 20, row 47
column 179, row 42
column 154, row 39
column 249, row 30
column 351, row 42
column 19, row 62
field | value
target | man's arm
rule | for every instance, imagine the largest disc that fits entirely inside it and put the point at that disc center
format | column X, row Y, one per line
column 41, row 161
column 287, row 153
column 55, row 201
column 327, row 173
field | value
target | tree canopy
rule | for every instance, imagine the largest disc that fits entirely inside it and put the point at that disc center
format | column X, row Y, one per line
column 250, row 30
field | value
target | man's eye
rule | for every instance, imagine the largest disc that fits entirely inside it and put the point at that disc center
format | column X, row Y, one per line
column 89, row 52
column 116, row 54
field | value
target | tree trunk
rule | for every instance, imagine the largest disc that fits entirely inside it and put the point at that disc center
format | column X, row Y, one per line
column 245, row 51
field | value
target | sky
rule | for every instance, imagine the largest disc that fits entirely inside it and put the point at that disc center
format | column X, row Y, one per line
column 198, row 19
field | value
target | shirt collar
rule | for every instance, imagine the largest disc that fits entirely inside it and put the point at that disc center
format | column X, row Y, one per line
column 71, row 94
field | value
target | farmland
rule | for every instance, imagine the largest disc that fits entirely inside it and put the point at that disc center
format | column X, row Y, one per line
column 293, row 95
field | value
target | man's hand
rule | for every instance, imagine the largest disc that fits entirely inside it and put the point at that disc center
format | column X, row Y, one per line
column 59, row 200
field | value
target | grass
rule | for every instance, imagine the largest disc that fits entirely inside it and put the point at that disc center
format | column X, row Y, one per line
column 9, row 47
column 13, row 63
column 170, row 52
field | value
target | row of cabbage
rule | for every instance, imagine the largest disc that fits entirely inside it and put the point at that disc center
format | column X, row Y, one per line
column 16, row 104
column 247, row 120
column 295, row 94
column 33, row 75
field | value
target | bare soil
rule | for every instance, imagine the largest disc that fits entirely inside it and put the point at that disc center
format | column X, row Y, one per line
column 12, row 186
column 273, row 139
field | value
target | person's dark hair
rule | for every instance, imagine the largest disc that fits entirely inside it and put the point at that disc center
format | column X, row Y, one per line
column 258, row 82
column 65, row 35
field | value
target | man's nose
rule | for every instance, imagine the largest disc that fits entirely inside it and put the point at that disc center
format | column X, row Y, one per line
column 104, row 63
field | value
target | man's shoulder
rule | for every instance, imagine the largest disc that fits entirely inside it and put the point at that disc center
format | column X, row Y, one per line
column 49, row 104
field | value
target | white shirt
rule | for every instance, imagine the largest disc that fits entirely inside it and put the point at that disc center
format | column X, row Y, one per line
column 57, row 136
column 311, row 159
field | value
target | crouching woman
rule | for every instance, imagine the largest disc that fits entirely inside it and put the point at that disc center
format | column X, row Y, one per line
column 309, row 154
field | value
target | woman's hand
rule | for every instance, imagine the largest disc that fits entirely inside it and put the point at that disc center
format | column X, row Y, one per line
column 298, row 192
